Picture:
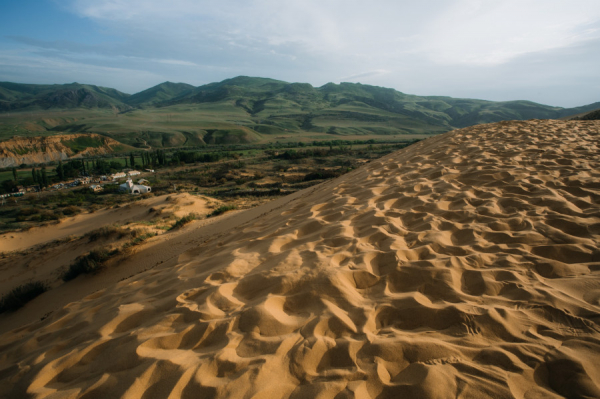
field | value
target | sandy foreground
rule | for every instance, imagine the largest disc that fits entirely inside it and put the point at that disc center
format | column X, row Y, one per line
column 464, row 266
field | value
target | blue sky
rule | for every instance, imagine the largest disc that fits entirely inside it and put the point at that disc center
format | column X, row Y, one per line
column 543, row 51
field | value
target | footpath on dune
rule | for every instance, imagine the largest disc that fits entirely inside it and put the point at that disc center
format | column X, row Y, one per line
column 466, row 265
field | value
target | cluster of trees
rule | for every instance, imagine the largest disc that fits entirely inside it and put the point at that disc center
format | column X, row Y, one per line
column 293, row 154
column 192, row 157
column 40, row 177
column 153, row 159
column 76, row 168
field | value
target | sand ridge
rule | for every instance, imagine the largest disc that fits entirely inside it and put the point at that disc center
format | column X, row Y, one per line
column 175, row 204
column 466, row 265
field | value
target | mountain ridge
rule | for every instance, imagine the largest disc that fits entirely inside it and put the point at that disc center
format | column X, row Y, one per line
column 261, row 108
column 18, row 96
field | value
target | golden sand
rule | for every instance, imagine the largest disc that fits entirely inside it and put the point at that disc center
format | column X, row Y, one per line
column 466, row 265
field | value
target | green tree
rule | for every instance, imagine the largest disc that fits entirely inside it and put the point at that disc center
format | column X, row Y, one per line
column 33, row 175
column 15, row 177
column 44, row 177
column 38, row 177
column 132, row 160
column 60, row 171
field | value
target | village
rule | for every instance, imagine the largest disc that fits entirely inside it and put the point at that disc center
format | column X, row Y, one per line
column 96, row 184
column 140, row 187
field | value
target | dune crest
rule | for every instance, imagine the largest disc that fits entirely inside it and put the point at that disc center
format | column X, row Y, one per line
column 466, row 265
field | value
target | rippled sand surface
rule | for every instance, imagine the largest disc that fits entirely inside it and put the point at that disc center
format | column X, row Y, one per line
column 464, row 266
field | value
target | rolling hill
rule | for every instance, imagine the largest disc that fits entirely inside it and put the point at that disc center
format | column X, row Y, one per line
column 27, row 97
column 247, row 109
column 590, row 116
column 159, row 93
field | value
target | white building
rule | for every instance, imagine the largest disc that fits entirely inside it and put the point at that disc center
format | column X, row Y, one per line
column 133, row 172
column 131, row 188
column 116, row 176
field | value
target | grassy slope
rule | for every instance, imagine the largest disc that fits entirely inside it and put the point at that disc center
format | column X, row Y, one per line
column 20, row 97
column 159, row 93
column 246, row 109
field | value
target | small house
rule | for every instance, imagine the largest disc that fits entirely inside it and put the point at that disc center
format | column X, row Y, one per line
column 96, row 188
column 133, row 172
column 131, row 188
column 116, row 176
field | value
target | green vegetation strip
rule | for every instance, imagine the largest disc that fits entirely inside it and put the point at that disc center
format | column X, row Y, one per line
column 184, row 220
column 221, row 209
column 87, row 264
column 19, row 296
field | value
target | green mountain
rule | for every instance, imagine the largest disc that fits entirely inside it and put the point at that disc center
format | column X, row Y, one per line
column 28, row 97
column 590, row 116
column 159, row 93
column 302, row 106
column 248, row 109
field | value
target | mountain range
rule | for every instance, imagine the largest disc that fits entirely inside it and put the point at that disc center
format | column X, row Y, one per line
column 248, row 108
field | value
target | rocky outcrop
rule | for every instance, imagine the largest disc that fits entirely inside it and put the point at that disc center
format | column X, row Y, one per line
column 32, row 150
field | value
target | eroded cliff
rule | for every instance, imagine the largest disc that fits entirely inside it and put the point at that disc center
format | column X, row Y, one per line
column 31, row 150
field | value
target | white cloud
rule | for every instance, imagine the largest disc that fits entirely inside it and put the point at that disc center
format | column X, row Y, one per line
column 363, row 75
column 480, row 32
column 459, row 31
column 445, row 47
column 23, row 67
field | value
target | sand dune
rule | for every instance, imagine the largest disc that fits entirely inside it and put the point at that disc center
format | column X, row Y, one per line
column 466, row 265
column 177, row 205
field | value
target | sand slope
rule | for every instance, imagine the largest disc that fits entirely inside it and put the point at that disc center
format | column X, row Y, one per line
column 466, row 265
column 176, row 204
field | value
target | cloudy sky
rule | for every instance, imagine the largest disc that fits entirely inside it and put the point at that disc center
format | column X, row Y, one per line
column 547, row 51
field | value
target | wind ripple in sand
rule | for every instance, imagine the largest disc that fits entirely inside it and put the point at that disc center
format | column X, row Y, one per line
column 466, row 265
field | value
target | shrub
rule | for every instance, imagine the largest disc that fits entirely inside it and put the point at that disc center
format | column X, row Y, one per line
column 71, row 210
column 89, row 263
column 105, row 232
column 184, row 220
column 138, row 236
column 48, row 215
column 21, row 295
column 221, row 209
column 28, row 211
column 322, row 174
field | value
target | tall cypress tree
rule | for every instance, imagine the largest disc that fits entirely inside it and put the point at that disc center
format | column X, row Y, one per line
column 132, row 160
column 33, row 175
column 44, row 177
column 38, row 178
column 60, row 171
column 16, row 178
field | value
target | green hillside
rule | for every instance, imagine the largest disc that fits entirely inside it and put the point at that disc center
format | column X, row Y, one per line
column 589, row 116
column 246, row 109
column 26, row 97
column 159, row 93
column 275, row 100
